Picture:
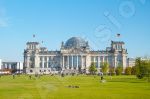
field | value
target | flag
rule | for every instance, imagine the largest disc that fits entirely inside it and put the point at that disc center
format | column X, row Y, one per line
column 118, row 35
column 33, row 35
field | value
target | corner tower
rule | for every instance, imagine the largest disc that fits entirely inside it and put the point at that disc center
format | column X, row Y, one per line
column 31, row 55
column 119, row 53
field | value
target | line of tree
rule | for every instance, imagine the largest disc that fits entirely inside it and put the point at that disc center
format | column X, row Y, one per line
column 92, row 68
column 104, row 67
column 142, row 68
column 107, row 69
column 119, row 70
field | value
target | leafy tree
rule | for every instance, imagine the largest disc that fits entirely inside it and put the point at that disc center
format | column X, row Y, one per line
column 112, row 71
column 133, row 70
column 128, row 70
column 119, row 70
column 92, row 68
column 142, row 68
column 138, row 68
column 104, row 67
column 146, row 69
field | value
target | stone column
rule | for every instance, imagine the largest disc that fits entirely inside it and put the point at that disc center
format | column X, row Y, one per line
column 124, row 60
column 115, row 61
column 103, row 59
column 82, row 62
column 43, row 62
column 94, row 59
column 28, row 62
column 18, row 66
column 72, row 62
column 36, row 61
column 77, row 62
column 63, row 63
column 68, row 62
column 9, row 66
column 98, row 62
column 5, row 66
column 47, row 62
column 87, row 62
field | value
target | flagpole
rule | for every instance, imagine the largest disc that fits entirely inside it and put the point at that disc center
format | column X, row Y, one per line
column 118, row 36
column 33, row 37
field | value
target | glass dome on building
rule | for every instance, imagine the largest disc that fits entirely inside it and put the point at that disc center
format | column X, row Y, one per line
column 75, row 42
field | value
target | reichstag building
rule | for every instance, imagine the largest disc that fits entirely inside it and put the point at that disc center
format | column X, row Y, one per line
column 74, row 55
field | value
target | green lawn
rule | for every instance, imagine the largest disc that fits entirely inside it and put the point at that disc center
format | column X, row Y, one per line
column 90, row 87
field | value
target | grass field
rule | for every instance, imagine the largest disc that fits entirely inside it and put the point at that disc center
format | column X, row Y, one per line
column 90, row 87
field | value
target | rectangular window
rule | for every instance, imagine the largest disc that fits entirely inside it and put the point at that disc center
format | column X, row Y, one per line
column 41, row 58
column 40, row 64
column 45, row 58
column 92, row 58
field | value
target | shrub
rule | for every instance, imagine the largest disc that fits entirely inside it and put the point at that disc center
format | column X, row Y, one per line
column 112, row 71
column 142, row 68
column 128, row 71
column 104, row 66
column 119, row 70
column 133, row 70
column 92, row 68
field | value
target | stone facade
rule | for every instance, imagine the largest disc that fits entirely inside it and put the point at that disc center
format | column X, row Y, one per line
column 0, row 64
column 74, row 56
column 131, row 62
column 17, row 66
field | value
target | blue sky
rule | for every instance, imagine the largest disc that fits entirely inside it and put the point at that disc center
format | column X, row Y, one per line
column 54, row 21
